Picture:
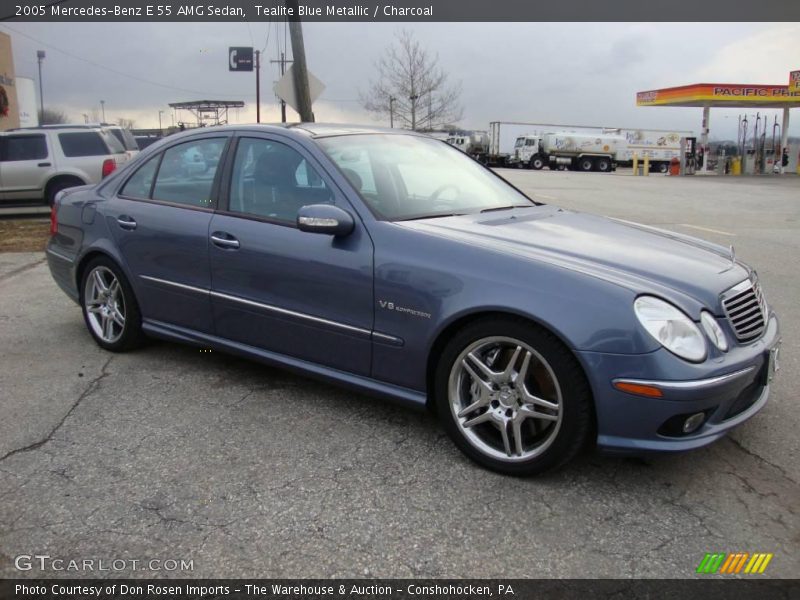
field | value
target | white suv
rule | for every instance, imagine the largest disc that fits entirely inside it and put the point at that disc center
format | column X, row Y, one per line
column 37, row 163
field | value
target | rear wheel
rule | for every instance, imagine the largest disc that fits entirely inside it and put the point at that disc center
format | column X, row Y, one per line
column 603, row 165
column 109, row 307
column 585, row 164
column 662, row 167
column 512, row 397
column 58, row 185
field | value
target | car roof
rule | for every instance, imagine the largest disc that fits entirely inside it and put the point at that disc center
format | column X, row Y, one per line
column 58, row 127
column 307, row 130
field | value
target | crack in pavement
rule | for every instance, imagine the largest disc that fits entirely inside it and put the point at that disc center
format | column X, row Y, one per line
column 760, row 458
column 90, row 388
column 22, row 269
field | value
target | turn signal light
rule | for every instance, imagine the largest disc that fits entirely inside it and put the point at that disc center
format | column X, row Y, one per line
column 108, row 167
column 638, row 389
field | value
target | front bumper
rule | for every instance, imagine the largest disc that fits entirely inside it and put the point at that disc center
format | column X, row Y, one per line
column 729, row 389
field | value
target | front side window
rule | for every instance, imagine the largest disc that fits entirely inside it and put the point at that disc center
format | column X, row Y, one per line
column 23, row 147
column 417, row 177
column 187, row 171
column 272, row 180
column 83, row 143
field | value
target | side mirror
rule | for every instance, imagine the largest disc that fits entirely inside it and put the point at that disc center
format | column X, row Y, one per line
column 325, row 218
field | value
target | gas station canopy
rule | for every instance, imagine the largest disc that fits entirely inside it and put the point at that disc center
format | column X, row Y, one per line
column 722, row 95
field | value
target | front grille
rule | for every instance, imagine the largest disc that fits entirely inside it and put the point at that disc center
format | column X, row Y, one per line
column 746, row 309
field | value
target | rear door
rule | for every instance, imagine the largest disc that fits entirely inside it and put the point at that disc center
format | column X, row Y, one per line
column 160, row 220
column 26, row 164
column 304, row 295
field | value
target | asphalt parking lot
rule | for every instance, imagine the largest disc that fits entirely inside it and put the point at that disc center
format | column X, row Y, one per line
column 171, row 453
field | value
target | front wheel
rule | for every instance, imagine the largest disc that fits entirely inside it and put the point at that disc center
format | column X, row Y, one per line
column 512, row 397
column 109, row 307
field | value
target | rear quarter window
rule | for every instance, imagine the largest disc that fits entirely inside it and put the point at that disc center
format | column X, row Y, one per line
column 84, row 143
column 22, row 147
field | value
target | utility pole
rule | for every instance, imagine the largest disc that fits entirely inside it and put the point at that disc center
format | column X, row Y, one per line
column 392, row 100
column 300, row 70
column 160, row 130
column 103, row 110
column 258, row 86
column 40, row 57
column 282, row 62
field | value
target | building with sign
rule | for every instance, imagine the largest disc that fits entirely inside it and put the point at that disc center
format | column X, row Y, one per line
column 708, row 95
column 9, row 107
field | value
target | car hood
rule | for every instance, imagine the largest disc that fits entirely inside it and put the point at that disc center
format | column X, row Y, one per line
column 642, row 258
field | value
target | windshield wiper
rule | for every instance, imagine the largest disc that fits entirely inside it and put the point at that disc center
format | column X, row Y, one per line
column 433, row 216
column 509, row 207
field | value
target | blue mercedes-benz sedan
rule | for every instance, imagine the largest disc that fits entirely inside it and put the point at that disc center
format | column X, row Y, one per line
column 394, row 264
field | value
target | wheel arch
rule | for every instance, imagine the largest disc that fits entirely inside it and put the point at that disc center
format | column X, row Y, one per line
column 447, row 332
column 63, row 177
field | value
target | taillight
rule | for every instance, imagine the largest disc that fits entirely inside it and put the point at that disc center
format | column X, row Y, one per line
column 54, row 219
column 108, row 167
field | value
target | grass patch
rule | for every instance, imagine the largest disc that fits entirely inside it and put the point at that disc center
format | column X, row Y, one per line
column 24, row 235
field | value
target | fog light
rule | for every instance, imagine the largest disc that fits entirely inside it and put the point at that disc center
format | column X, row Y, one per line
column 694, row 422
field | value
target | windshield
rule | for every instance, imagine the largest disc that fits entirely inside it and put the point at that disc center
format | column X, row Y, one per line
column 519, row 142
column 404, row 177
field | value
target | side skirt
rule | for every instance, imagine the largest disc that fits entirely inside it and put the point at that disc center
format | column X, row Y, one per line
column 400, row 395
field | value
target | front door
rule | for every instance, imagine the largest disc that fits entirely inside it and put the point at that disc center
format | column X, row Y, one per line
column 304, row 295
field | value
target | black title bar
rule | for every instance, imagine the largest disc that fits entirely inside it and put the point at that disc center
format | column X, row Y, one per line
column 401, row 10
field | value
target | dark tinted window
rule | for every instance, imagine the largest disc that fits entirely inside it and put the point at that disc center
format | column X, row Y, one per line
column 187, row 172
column 23, row 147
column 138, row 186
column 272, row 180
column 83, row 143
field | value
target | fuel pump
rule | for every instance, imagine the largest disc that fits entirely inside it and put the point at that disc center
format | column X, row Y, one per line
column 688, row 155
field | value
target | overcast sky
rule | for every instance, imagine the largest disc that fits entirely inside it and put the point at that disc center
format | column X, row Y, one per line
column 568, row 73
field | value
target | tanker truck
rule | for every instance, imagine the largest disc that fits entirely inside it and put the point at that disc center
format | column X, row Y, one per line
column 566, row 150
column 478, row 145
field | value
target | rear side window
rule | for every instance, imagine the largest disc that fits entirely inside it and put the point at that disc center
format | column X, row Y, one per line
column 139, row 185
column 22, row 147
column 83, row 143
column 125, row 138
column 187, row 172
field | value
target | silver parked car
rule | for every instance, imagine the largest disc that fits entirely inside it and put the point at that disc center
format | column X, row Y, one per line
column 37, row 163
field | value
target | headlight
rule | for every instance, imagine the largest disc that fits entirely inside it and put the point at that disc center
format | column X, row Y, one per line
column 671, row 328
column 713, row 330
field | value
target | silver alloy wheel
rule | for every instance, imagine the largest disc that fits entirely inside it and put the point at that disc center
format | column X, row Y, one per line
column 505, row 399
column 104, row 304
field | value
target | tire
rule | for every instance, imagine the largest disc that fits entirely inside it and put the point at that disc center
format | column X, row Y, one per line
column 550, row 415
column 112, row 315
column 585, row 164
column 662, row 167
column 603, row 165
column 536, row 163
column 57, row 186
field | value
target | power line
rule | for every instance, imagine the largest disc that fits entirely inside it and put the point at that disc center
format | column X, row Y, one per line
column 112, row 70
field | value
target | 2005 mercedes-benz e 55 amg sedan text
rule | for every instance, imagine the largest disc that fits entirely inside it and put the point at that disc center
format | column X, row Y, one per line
column 396, row 265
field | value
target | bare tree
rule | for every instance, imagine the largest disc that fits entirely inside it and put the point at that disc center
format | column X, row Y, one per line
column 126, row 123
column 411, row 89
column 52, row 116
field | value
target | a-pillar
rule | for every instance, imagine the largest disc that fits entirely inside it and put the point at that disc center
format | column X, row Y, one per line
column 704, row 137
column 784, row 136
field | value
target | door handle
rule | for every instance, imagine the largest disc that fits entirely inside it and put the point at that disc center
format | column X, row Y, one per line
column 126, row 222
column 45, row 164
column 224, row 240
